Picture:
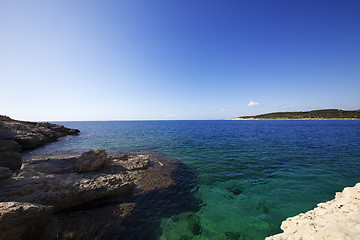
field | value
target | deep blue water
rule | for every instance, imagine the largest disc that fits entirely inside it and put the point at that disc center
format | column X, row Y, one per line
column 248, row 177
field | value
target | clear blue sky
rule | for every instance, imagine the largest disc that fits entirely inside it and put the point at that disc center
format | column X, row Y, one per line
column 198, row 59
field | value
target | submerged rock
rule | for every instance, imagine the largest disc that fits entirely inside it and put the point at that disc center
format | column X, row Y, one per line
column 263, row 207
column 332, row 220
column 187, row 224
column 102, row 222
column 21, row 220
column 234, row 236
column 236, row 190
column 91, row 160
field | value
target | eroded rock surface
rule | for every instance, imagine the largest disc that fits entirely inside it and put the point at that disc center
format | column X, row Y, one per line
column 21, row 220
column 332, row 220
column 136, row 162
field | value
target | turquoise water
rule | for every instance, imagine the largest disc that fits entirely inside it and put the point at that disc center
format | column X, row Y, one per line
column 240, row 179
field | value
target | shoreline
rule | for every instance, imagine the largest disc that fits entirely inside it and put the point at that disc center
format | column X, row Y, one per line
column 72, row 196
column 336, row 219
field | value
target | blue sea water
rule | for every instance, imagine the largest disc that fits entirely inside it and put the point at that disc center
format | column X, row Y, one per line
column 244, row 177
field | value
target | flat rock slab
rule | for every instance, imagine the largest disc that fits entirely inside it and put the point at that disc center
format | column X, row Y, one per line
column 62, row 191
column 332, row 220
column 54, row 182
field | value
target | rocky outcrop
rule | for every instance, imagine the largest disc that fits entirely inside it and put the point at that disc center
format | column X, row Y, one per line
column 91, row 160
column 62, row 190
column 31, row 134
column 54, row 182
column 21, row 220
column 332, row 220
column 16, row 136
column 77, row 197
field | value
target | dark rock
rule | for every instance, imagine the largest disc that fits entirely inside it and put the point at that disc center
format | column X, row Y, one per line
column 10, row 160
column 236, row 190
column 102, row 222
column 10, row 156
column 22, row 220
column 91, row 160
column 123, row 157
column 29, row 134
column 4, row 118
column 9, row 145
column 5, row 173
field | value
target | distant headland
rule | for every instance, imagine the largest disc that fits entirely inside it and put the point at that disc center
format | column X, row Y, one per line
column 324, row 114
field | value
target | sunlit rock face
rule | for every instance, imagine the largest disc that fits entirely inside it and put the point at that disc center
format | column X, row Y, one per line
column 335, row 219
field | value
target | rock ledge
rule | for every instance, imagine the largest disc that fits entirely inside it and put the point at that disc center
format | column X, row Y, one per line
column 332, row 220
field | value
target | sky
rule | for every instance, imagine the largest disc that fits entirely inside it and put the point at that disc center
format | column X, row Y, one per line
column 166, row 59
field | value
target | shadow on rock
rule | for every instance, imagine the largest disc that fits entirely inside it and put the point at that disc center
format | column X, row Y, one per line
column 153, row 206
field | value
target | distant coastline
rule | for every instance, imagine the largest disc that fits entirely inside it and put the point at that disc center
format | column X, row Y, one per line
column 325, row 114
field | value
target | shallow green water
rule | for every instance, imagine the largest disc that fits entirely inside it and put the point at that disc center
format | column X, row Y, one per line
column 249, row 176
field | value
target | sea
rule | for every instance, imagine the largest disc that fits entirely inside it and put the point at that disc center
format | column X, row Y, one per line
column 237, row 179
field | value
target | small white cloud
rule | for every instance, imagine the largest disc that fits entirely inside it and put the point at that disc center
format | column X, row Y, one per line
column 253, row 104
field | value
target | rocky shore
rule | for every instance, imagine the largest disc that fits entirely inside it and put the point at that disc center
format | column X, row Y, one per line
column 332, row 220
column 17, row 136
column 78, row 197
